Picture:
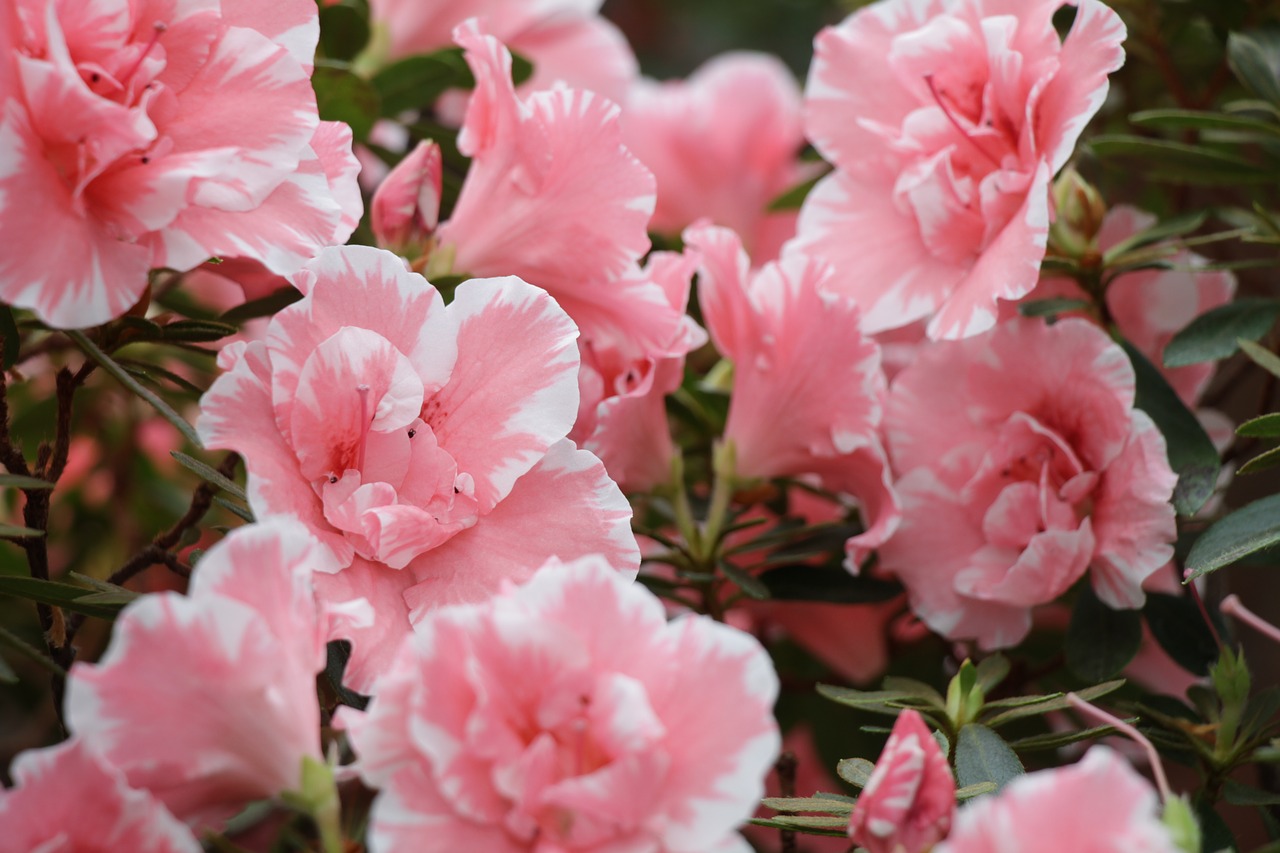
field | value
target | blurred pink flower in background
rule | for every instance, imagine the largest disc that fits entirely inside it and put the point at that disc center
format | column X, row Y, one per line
column 1098, row 804
column 159, row 137
column 424, row 446
column 722, row 145
column 1022, row 464
column 946, row 121
column 568, row 714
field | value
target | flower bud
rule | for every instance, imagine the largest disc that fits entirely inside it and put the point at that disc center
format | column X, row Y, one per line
column 406, row 207
column 1079, row 209
column 910, row 799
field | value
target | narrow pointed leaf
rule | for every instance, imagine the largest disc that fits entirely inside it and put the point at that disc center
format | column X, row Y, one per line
column 1215, row 334
column 1243, row 532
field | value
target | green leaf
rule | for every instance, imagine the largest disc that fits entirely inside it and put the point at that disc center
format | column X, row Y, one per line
column 1052, row 307
column 968, row 792
column 22, row 647
column 1240, row 794
column 1215, row 334
column 1261, row 356
column 58, row 594
column 833, row 827
column 264, row 306
column 1261, row 462
column 749, row 584
column 1266, row 426
column 1047, row 704
column 807, row 804
column 992, row 670
column 234, row 508
column 1171, row 119
column 792, row 198
column 1178, row 627
column 888, row 702
column 1164, row 230
column 856, row 771
column 344, row 31
column 1101, row 641
column 17, row 481
column 1248, row 59
column 827, row 584
column 209, row 475
column 123, row 377
column 1249, row 529
column 416, row 82
column 914, row 689
column 983, row 756
column 196, row 331
column 12, row 338
column 343, row 96
column 144, row 370
column 1191, row 454
column 1178, row 162
column 14, row 531
column 1057, row 740
column 7, row 675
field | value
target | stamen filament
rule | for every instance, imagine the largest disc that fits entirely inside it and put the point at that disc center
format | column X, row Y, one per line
column 1157, row 768
column 157, row 29
column 1232, row 607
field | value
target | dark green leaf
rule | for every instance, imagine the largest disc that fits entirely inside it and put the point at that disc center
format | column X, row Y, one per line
column 1178, row 627
column 15, row 531
column 1191, row 454
column 983, row 756
column 1240, row 794
column 123, row 377
column 234, row 508
column 144, row 370
column 209, row 475
column 795, row 196
column 1215, row 834
column 12, row 338
column 856, row 771
column 1261, row 462
column 22, row 647
column 1057, row 740
column 1248, row 59
column 263, row 307
column 17, row 481
column 343, row 96
column 344, row 31
column 820, row 805
column 1047, row 704
column 58, row 594
column 1177, row 162
column 805, row 825
column 197, row 331
column 915, row 690
column 416, row 82
column 1214, row 334
column 991, row 671
column 1165, row 230
column 521, row 68
column 1101, row 641
column 748, row 583
column 1266, row 426
column 1261, row 356
column 1201, row 120
column 1249, row 529
column 827, row 584
column 1051, row 307
column 7, row 675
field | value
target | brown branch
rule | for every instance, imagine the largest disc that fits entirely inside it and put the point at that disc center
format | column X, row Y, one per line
column 786, row 768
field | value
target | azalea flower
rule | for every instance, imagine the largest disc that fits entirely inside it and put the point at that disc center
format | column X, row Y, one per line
column 141, row 136
column 568, row 714
column 946, row 121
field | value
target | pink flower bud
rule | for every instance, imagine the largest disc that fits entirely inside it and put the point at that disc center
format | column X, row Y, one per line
column 910, row 799
column 406, row 207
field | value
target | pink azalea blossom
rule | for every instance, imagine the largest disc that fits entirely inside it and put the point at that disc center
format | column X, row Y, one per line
column 722, row 145
column 808, row 390
column 908, row 803
column 566, row 40
column 424, row 446
column 208, row 700
column 568, row 714
column 1150, row 306
column 159, row 135
column 1100, row 804
column 946, row 120
column 1023, row 465
column 67, row 798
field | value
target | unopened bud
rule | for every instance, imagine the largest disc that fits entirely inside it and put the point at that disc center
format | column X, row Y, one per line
column 1079, row 209
column 406, row 208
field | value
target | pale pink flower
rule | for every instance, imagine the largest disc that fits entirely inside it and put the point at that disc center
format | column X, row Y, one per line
column 946, row 120
column 908, row 803
column 1150, row 306
column 154, row 136
column 1099, row 804
column 722, row 145
column 1023, row 465
column 406, row 208
column 67, row 798
column 208, row 700
column 808, row 390
column 566, row 40
column 424, row 446
column 568, row 714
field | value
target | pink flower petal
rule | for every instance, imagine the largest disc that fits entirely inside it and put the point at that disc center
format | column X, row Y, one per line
column 292, row 24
